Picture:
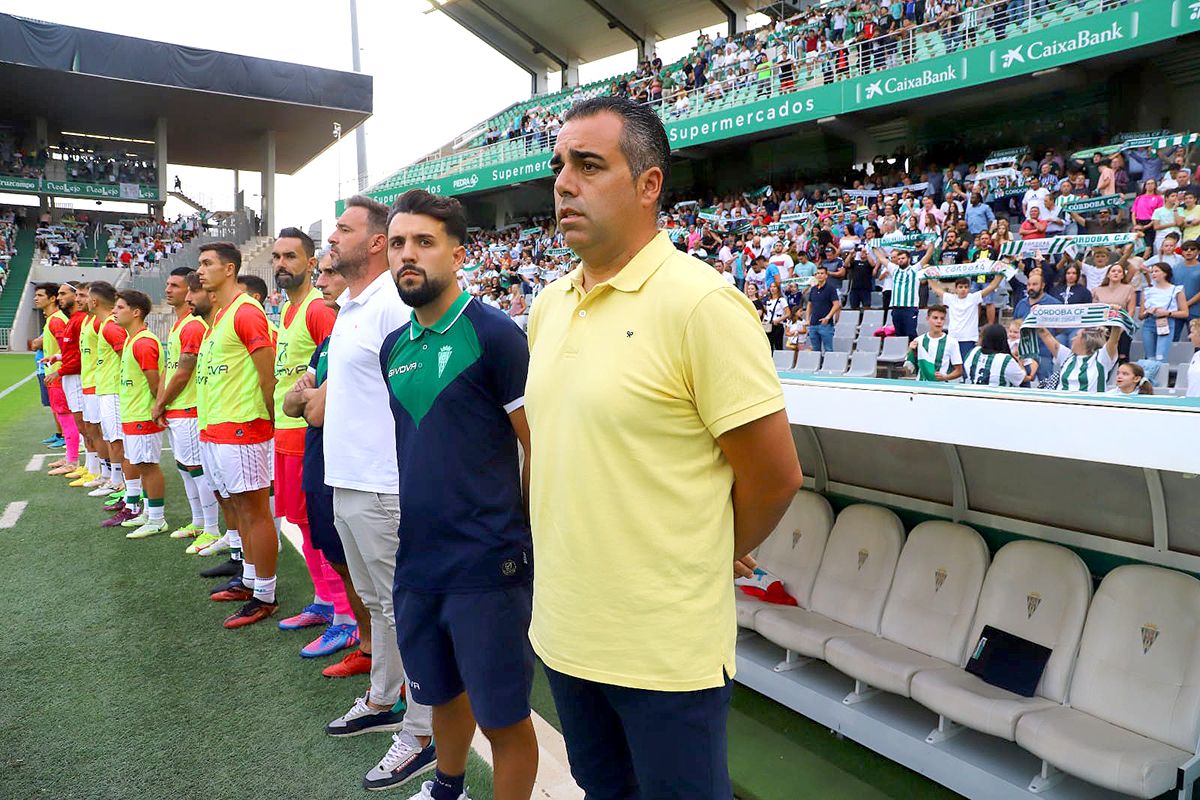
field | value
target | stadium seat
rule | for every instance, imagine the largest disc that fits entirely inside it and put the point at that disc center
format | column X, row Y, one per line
column 848, row 318
column 1161, row 379
column 1181, row 383
column 928, row 613
column 872, row 320
column 807, row 361
column 851, row 586
column 895, row 350
column 1040, row 592
column 1180, row 354
column 866, row 343
column 835, row 363
column 863, row 365
column 782, row 358
column 842, row 344
column 792, row 553
column 1135, row 695
column 1137, row 350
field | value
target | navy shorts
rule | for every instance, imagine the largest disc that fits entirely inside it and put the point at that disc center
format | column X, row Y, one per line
column 477, row 642
column 322, row 533
column 639, row 743
column 42, row 388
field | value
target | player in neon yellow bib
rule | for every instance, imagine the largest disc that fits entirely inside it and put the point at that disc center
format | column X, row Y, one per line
column 141, row 366
column 304, row 323
column 175, row 408
column 45, row 300
column 239, row 426
column 97, row 459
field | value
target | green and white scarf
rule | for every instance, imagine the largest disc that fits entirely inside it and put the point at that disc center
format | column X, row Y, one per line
column 1026, row 248
column 949, row 272
column 555, row 252
column 1076, row 315
column 1088, row 205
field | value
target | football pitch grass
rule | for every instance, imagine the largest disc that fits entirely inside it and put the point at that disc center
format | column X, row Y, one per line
column 118, row 680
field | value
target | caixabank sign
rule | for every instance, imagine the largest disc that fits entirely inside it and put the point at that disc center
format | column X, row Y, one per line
column 1123, row 28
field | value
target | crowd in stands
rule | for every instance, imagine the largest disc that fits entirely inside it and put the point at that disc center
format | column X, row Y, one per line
column 771, row 241
column 80, row 163
column 134, row 243
column 9, row 225
column 822, row 44
column 86, row 164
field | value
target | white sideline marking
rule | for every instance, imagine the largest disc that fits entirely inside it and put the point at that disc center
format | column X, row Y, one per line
column 37, row 461
column 554, row 781
column 17, row 385
column 12, row 513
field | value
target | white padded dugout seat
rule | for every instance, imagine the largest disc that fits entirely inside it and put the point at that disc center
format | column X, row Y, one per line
column 1135, row 695
column 1040, row 592
column 928, row 612
column 792, row 553
column 851, row 586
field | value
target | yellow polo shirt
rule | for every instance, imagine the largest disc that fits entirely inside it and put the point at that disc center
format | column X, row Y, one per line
column 629, row 387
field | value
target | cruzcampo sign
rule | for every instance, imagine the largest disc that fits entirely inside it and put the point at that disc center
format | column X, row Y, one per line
column 99, row 191
column 1123, row 28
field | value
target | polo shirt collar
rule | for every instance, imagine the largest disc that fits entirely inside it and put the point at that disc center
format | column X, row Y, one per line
column 416, row 329
column 633, row 275
column 344, row 299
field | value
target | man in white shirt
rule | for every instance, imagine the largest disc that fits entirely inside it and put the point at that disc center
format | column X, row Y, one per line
column 962, row 307
column 361, row 467
column 1035, row 196
column 781, row 261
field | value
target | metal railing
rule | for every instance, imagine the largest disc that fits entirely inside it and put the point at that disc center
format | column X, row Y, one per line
column 842, row 60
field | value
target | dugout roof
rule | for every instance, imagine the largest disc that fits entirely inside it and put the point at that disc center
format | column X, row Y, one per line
column 541, row 35
column 217, row 105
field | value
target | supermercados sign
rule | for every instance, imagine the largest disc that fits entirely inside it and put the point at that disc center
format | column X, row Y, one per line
column 1126, row 27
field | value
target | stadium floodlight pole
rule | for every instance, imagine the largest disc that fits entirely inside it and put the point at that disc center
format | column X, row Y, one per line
column 360, row 134
column 337, row 136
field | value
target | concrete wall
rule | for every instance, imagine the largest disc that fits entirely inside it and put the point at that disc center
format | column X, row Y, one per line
column 28, row 322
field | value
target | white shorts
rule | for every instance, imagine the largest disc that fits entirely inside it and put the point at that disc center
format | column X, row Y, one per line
column 185, row 440
column 143, row 448
column 91, row 408
column 238, row 468
column 72, row 386
column 110, row 417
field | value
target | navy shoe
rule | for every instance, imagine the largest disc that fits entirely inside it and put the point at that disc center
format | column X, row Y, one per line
column 361, row 718
column 405, row 759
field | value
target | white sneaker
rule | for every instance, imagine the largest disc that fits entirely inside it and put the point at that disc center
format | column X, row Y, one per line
column 361, row 718
column 148, row 529
column 426, row 793
column 103, row 490
column 404, row 760
column 219, row 546
column 96, row 483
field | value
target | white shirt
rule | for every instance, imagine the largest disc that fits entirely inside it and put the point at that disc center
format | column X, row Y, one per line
column 963, row 321
column 360, row 451
column 785, row 264
column 1193, row 373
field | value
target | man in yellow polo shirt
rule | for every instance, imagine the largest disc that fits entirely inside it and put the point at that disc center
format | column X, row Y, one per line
column 661, row 457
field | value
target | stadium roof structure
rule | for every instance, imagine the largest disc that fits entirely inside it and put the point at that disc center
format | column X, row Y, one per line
column 554, row 35
column 217, row 106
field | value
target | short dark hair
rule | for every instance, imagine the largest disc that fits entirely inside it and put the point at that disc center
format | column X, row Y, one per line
column 182, row 272
column 446, row 209
column 139, row 301
column 962, row 281
column 193, row 280
column 936, row 307
column 104, row 291
column 227, row 252
column 821, row 268
column 306, row 241
column 377, row 212
column 254, row 285
column 48, row 288
column 643, row 142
